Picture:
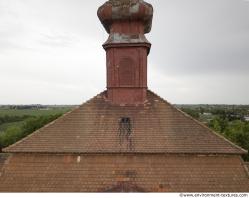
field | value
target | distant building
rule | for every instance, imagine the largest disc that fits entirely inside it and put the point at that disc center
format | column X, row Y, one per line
column 127, row 138
column 45, row 109
column 207, row 114
column 246, row 118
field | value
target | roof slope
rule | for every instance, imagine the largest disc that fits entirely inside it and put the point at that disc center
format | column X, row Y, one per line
column 128, row 172
column 156, row 127
column 3, row 158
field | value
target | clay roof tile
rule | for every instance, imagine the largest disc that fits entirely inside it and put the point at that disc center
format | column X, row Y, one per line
column 155, row 127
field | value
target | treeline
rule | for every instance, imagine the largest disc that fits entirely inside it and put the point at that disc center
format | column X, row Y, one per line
column 229, row 114
column 34, row 107
column 191, row 112
column 7, row 119
column 232, row 112
column 22, row 107
column 236, row 131
column 13, row 134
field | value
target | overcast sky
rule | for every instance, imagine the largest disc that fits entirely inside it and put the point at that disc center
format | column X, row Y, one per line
column 51, row 53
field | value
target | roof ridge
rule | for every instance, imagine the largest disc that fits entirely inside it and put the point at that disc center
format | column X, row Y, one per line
column 92, row 98
column 47, row 125
column 201, row 124
column 107, row 152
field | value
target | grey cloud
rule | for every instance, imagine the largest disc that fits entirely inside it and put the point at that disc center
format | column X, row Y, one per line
column 198, row 37
column 200, row 50
column 57, row 40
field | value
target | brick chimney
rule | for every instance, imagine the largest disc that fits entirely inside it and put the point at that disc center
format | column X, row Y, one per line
column 126, row 22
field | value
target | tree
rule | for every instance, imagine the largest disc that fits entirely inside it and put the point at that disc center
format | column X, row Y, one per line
column 14, row 134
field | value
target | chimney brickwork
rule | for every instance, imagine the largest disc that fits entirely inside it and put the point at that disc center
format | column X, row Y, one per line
column 127, row 49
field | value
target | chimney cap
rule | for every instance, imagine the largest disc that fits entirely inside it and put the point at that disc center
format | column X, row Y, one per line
column 126, row 10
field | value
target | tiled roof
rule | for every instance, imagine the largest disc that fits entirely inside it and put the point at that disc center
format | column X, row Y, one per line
column 3, row 158
column 127, row 172
column 156, row 127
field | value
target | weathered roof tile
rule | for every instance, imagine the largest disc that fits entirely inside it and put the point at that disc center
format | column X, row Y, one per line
column 128, row 172
column 156, row 127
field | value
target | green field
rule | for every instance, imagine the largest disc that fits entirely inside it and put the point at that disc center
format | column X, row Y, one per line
column 16, row 122
column 25, row 114
column 33, row 112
